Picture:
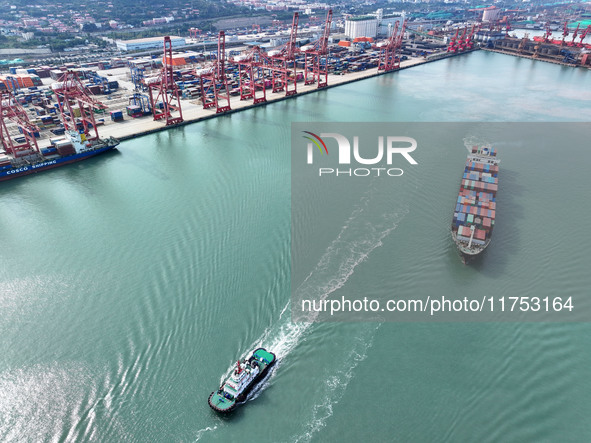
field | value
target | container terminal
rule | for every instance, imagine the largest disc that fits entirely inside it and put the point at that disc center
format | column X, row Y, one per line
column 137, row 95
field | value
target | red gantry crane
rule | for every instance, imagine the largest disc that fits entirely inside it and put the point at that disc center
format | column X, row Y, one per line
column 583, row 35
column 507, row 27
column 76, row 106
column 564, row 32
column 468, row 42
column 548, row 33
column 251, row 74
column 316, row 57
column 389, row 59
column 164, row 92
column 11, row 111
column 281, row 62
column 572, row 43
column 460, row 41
column 214, row 85
column 453, row 43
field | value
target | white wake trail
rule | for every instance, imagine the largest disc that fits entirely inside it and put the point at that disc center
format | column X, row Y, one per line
column 358, row 237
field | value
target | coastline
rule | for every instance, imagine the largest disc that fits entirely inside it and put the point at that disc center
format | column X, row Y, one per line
column 193, row 112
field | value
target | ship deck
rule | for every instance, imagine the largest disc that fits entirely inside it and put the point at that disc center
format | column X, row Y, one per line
column 221, row 403
column 264, row 355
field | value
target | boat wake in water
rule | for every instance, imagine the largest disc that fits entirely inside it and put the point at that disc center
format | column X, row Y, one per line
column 260, row 386
column 335, row 382
column 359, row 236
column 473, row 140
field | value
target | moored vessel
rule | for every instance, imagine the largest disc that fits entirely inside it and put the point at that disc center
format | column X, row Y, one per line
column 21, row 155
column 245, row 376
column 62, row 151
column 475, row 212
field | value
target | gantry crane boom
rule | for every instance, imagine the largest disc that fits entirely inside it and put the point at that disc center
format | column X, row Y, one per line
column 11, row 111
column 164, row 92
column 70, row 92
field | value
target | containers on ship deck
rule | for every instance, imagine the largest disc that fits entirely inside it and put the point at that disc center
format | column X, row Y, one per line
column 475, row 241
column 48, row 151
column 464, row 231
column 64, row 147
column 5, row 160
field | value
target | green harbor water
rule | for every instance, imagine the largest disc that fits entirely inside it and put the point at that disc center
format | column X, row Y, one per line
column 130, row 283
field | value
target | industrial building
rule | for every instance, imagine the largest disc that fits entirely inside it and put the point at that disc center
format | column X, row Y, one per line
column 146, row 44
column 372, row 25
column 363, row 26
column 491, row 14
column 489, row 36
column 387, row 22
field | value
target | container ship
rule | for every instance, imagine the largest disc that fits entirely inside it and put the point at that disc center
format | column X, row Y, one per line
column 62, row 151
column 21, row 155
column 474, row 216
column 244, row 377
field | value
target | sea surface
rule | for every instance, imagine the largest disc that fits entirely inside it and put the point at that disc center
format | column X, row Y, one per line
column 130, row 283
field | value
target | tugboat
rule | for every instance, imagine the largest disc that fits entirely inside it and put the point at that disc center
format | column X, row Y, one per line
column 244, row 377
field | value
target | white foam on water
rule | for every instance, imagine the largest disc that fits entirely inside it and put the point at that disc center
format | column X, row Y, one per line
column 203, row 431
column 473, row 140
column 356, row 240
column 260, row 387
column 336, row 383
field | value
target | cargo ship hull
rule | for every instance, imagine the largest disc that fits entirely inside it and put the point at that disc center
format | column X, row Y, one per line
column 21, row 171
column 468, row 254
column 475, row 212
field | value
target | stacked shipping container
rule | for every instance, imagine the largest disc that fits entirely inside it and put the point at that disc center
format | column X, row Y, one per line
column 475, row 210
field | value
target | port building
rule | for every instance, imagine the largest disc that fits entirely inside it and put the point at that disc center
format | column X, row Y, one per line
column 362, row 26
column 387, row 22
column 145, row 44
column 491, row 14
column 374, row 25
